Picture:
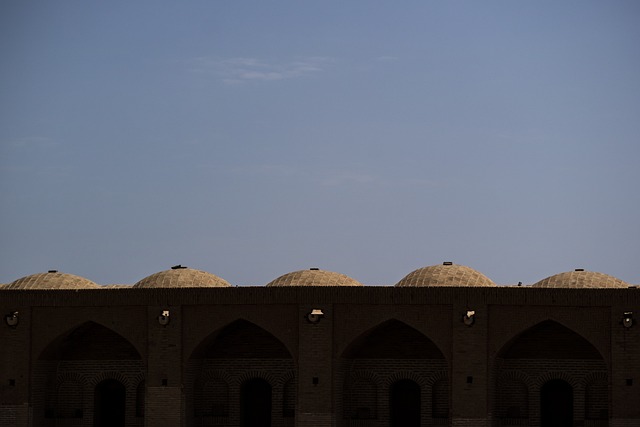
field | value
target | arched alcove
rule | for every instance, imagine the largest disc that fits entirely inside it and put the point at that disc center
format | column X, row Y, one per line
column 241, row 339
column 230, row 357
column 69, row 367
column 393, row 339
column 90, row 341
column 536, row 370
column 550, row 340
column 375, row 358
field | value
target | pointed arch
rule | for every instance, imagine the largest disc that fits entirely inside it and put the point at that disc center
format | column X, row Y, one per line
column 541, row 372
column 392, row 339
column 70, row 367
column 549, row 340
column 241, row 339
column 90, row 341
column 222, row 372
column 421, row 374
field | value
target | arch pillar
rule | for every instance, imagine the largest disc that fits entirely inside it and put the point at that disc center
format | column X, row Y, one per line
column 469, row 368
column 315, row 370
column 164, row 368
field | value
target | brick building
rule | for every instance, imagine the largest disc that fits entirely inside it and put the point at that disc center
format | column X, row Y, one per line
column 445, row 346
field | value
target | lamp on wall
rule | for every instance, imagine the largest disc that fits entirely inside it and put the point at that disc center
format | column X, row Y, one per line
column 163, row 319
column 315, row 315
column 12, row 319
column 469, row 318
column 627, row 319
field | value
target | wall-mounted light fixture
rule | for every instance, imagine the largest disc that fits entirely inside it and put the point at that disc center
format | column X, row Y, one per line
column 163, row 319
column 315, row 315
column 469, row 318
column 627, row 319
column 12, row 319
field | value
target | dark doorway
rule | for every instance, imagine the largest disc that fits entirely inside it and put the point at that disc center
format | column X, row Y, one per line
column 556, row 404
column 255, row 403
column 405, row 404
column 109, row 404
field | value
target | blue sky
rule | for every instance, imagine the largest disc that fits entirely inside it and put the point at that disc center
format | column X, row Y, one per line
column 251, row 138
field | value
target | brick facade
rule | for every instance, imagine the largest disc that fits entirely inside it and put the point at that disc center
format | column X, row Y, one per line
column 340, row 371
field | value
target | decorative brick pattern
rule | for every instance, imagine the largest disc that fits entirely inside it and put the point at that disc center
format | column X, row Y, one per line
column 191, row 371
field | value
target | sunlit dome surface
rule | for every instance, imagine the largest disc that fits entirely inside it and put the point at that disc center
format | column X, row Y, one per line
column 581, row 279
column 52, row 280
column 445, row 274
column 314, row 277
column 182, row 277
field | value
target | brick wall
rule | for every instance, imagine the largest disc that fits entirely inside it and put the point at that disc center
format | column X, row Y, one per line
column 317, row 371
column 63, row 391
column 213, row 389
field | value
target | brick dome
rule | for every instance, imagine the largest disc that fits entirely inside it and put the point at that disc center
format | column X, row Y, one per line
column 314, row 277
column 182, row 277
column 445, row 274
column 581, row 279
column 52, row 280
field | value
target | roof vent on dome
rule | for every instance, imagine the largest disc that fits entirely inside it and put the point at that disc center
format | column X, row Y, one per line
column 579, row 278
column 313, row 277
column 445, row 274
column 178, row 267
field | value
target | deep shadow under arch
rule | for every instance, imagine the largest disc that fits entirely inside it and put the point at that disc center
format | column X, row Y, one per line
column 239, row 353
column 87, row 350
column 90, row 341
column 531, row 354
column 366, row 366
column 393, row 339
column 549, row 340
column 255, row 403
column 556, row 404
column 404, row 404
column 109, row 404
column 241, row 339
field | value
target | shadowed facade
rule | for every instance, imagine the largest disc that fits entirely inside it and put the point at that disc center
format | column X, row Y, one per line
column 445, row 346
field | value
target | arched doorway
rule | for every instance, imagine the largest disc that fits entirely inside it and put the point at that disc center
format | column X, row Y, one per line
column 556, row 404
column 67, row 365
column 255, row 403
column 405, row 404
column 365, row 364
column 525, row 360
column 109, row 404
column 223, row 359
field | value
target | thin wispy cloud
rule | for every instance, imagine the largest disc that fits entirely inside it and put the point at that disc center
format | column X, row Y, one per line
column 343, row 179
column 319, row 176
column 243, row 70
column 30, row 142
column 387, row 58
